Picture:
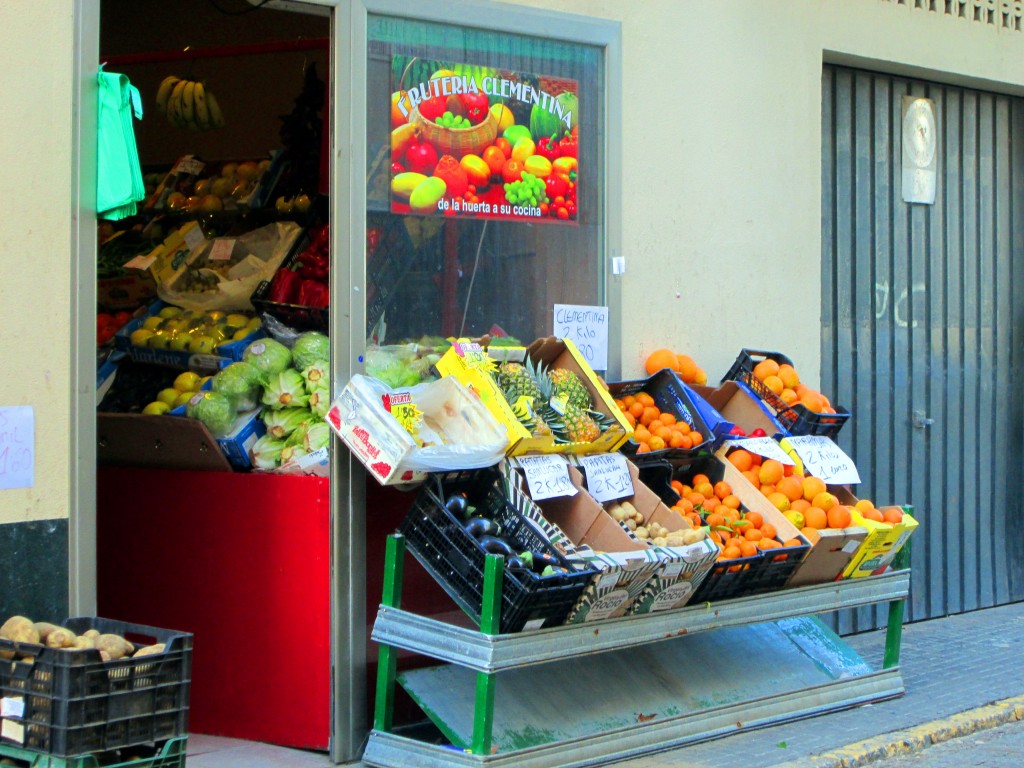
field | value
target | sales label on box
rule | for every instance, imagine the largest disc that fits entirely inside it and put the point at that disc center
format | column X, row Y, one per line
column 547, row 476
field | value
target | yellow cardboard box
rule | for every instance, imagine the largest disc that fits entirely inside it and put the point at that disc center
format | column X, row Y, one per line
column 464, row 362
column 883, row 541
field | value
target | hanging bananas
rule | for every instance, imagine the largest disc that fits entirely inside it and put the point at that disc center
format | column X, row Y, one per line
column 188, row 104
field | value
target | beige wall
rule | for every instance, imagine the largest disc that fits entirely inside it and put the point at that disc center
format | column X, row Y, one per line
column 724, row 94
column 35, row 232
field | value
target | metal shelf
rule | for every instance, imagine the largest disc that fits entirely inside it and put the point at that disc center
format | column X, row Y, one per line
column 493, row 653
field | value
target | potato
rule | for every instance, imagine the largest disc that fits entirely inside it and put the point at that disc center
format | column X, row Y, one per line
column 61, row 638
column 82, row 642
column 641, row 532
column 93, row 633
column 20, row 630
column 115, row 646
column 150, row 650
column 44, row 628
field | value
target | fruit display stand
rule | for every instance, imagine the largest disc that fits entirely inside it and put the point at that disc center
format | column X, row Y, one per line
column 668, row 695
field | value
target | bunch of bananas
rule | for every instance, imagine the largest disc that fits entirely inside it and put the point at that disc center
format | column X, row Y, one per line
column 188, row 104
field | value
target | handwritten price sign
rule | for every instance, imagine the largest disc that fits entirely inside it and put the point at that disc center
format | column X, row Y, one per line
column 17, row 447
column 588, row 328
column 823, row 458
column 547, row 477
column 607, row 476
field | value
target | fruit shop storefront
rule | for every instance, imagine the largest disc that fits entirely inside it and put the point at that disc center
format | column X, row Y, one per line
column 485, row 181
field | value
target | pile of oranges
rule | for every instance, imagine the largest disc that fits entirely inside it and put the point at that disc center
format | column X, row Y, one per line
column 654, row 429
column 737, row 531
column 784, row 381
column 804, row 499
column 684, row 365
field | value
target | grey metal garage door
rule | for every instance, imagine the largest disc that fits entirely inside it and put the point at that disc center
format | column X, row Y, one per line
column 923, row 326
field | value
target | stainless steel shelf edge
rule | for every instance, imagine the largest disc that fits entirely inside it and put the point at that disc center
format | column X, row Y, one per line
column 493, row 653
column 388, row 750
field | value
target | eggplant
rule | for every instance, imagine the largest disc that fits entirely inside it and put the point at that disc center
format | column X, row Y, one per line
column 542, row 560
column 552, row 570
column 495, row 546
column 457, row 505
column 515, row 563
column 481, row 526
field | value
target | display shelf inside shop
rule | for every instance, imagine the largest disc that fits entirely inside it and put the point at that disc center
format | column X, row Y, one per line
column 806, row 670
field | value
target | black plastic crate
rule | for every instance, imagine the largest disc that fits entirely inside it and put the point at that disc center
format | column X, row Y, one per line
column 170, row 754
column 671, row 395
column 77, row 704
column 796, row 419
column 292, row 315
column 456, row 559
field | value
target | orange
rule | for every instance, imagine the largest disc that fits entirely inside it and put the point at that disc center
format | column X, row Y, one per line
column 788, row 396
column 768, row 530
column 731, row 552
column 683, row 427
column 630, row 418
column 656, row 443
column 640, row 434
column 636, row 408
column 700, row 378
column 628, row 400
column 705, row 489
column 740, row 459
column 663, row 432
column 731, row 515
column 696, row 437
column 747, row 548
column 793, row 487
column 699, row 478
column 643, row 448
column 892, row 515
column 751, row 476
column 666, row 418
column 799, row 505
column 815, row 517
column 687, row 368
column 863, row 505
column 644, row 399
column 766, row 368
column 753, row 534
column 722, row 489
column 676, row 486
column 779, row 500
column 839, row 516
column 685, row 505
column 695, row 498
column 813, row 486
column 792, row 543
column 771, row 472
column 824, row 501
column 812, row 400
column 660, row 358
column 788, row 375
column 715, row 519
column 774, row 383
column 731, row 501
column 756, row 519
column 655, row 424
column 874, row 514
column 650, row 414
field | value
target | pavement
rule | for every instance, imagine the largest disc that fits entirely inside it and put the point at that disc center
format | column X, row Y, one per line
column 963, row 675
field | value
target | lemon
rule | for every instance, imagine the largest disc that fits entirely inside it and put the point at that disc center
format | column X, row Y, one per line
column 152, row 323
column 140, row 337
column 168, row 395
column 183, row 398
column 156, row 408
column 240, row 334
column 159, row 341
column 504, row 117
column 796, row 518
column 201, row 345
column 167, row 312
column 236, row 320
column 187, row 382
column 179, row 343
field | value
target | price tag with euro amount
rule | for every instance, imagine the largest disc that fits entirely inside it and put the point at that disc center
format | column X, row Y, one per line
column 764, row 447
column 607, row 476
column 823, row 458
column 222, row 249
column 547, row 476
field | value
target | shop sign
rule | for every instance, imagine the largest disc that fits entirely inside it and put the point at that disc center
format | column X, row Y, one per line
column 483, row 143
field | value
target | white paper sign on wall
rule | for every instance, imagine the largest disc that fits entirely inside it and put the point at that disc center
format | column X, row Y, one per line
column 607, row 476
column 823, row 458
column 17, row 447
column 588, row 329
column 763, row 446
column 547, row 476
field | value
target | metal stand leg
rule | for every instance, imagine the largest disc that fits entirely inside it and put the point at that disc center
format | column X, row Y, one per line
column 894, row 629
column 387, row 656
column 490, row 622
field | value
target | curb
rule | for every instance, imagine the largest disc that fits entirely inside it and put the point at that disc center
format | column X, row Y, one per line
column 917, row 738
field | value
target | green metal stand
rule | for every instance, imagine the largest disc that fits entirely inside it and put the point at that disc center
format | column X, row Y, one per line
column 387, row 656
column 894, row 629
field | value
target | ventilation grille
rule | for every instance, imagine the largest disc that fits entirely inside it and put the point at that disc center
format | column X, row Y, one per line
column 1002, row 14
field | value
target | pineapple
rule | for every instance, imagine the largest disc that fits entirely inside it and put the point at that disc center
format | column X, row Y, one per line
column 580, row 427
column 517, row 380
column 565, row 382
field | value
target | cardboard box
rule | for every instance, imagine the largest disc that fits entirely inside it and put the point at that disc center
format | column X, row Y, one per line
column 880, row 546
column 364, row 417
column 552, row 353
column 684, row 567
column 734, row 404
column 625, row 564
column 162, row 442
column 827, row 557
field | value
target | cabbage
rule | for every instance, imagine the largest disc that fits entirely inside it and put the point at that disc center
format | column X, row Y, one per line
column 317, row 374
column 240, row 382
column 286, row 390
column 266, row 452
column 283, row 422
column 311, row 436
column 292, row 452
column 320, row 401
column 214, row 409
column 270, row 357
column 392, row 368
column 309, row 348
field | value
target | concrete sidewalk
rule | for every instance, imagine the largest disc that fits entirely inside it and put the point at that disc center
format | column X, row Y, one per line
column 961, row 673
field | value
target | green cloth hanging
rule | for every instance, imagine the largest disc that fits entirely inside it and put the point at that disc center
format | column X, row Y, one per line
column 119, row 184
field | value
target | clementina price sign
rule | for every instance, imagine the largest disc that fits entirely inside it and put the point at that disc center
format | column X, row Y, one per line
column 479, row 142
